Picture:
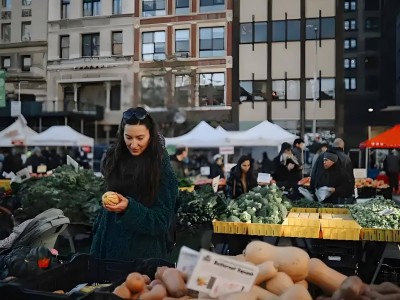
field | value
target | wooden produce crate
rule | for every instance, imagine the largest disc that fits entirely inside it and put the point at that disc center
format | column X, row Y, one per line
column 305, row 225
column 230, row 227
column 337, row 229
column 380, row 235
column 265, row 229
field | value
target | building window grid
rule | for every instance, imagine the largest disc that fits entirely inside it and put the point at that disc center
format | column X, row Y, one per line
column 350, row 44
column 182, row 42
column 212, row 42
column 254, row 32
column 182, row 7
column 64, row 46
column 25, row 31
column 152, row 8
column 350, row 25
column 65, row 9
column 212, row 5
column 153, row 91
column 117, row 42
column 25, row 63
column 26, row 2
column 6, row 32
column 26, row 13
column 211, row 89
column 350, row 83
column 350, row 5
column 253, row 90
column 91, row 8
column 6, row 4
column 153, row 45
column 182, row 90
column 90, row 45
column 350, row 63
column 5, row 62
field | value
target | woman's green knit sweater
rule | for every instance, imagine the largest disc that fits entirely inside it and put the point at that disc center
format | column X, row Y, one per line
column 139, row 231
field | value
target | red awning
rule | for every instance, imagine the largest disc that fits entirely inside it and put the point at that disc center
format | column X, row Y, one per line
column 386, row 140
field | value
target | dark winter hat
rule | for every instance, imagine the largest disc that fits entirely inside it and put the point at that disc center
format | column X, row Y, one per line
column 331, row 156
column 285, row 146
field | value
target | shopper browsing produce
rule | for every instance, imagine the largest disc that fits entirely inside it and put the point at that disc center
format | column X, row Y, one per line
column 138, row 170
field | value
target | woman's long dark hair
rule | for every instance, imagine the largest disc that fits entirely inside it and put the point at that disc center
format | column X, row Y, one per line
column 135, row 176
column 237, row 170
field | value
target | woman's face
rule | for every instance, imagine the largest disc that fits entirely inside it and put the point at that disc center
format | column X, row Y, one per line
column 137, row 138
column 245, row 166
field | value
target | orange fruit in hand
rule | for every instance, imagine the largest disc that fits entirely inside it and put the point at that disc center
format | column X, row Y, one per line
column 110, row 198
column 135, row 282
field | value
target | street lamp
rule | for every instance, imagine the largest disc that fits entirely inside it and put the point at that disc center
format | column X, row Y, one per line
column 19, row 89
column 314, row 81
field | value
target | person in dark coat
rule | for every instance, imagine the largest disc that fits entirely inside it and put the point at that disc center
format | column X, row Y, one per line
column 177, row 161
column 391, row 166
column 241, row 178
column 12, row 162
column 298, row 148
column 36, row 159
column 286, row 167
column 217, row 168
column 267, row 165
column 335, row 177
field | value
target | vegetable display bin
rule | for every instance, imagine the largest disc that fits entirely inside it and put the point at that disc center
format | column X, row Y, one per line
column 265, row 229
column 333, row 210
column 5, row 184
column 301, row 227
column 304, row 210
column 188, row 189
column 336, row 229
column 230, row 227
column 82, row 268
column 380, row 235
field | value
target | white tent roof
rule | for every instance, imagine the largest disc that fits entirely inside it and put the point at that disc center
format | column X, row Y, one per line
column 16, row 133
column 263, row 134
column 201, row 136
column 60, row 136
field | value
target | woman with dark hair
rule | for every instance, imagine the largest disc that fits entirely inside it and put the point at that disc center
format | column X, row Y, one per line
column 138, row 169
column 241, row 178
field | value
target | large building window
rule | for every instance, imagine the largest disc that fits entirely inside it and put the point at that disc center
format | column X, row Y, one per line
column 212, row 41
column 325, row 28
column 211, row 89
column 6, row 4
column 5, row 62
column 26, row 2
column 151, row 8
column 25, row 31
column 90, row 44
column 64, row 46
column 117, row 7
column 286, row 89
column 6, row 32
column 65, row 9
column 153, row 45
column 26, row 13
column 182, row 7
column 350, row 5
column 283, row 31
column 253, row 32
column 182, row 42
column 350, row 63
column 212, row 5
column 350, row 25
column 324, row 89
column 350, row 83
column 91, row 8
column 350, row 44
column 26, row 63
column 116, row 43
column 372, row 24
column 255, row 90
column 153, row 91
column 182, row 90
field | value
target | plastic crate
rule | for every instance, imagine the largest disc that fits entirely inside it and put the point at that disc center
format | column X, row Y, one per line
column 5, row 184
column 304, row 228
column 82, row 268
column 188, row 188
column 304, row 210
column 380, row 235
column 389, row 271
column 230, row 227
column 265, row 229
column 333, row 210
column 337, row 229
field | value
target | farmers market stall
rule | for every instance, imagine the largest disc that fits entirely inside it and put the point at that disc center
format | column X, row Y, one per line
column 17, row 133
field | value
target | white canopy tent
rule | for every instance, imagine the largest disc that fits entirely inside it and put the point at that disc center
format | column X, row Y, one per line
column 201, row 136
column 60, row 136
column 17, row 133
column 263, row 134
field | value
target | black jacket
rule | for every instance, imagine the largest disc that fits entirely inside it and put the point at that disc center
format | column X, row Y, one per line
column 234, row 186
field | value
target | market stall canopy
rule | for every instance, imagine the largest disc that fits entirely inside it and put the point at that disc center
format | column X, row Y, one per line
column 201, row 136
column 263, row 134
column 16, row 134
column 388, row 139
column 60, row 136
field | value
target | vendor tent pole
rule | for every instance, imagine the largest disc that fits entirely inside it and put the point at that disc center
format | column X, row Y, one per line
column 366, row 158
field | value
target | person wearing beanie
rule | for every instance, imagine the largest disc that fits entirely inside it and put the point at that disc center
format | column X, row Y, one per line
column 217, row 167
column 335, row 177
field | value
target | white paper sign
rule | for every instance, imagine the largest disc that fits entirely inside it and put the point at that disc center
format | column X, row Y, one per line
column 217, row 275
column 264, row 178
column 187, row 260
column 41, row 169
column 15, row 108
column 72, row 162
column 23, row 174
column 215, row 183
column 360, row 173
column 205, row 171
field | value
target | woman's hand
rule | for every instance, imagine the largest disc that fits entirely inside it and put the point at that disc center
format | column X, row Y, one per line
column 120, row 207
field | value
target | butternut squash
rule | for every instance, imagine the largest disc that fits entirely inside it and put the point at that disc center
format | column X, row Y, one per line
column 324, row 277
column 266, row 271
column 157, row 292
column 296, row 292
column 279, row 283
column 303, row 283
column 173, row 280
column 290, row 260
